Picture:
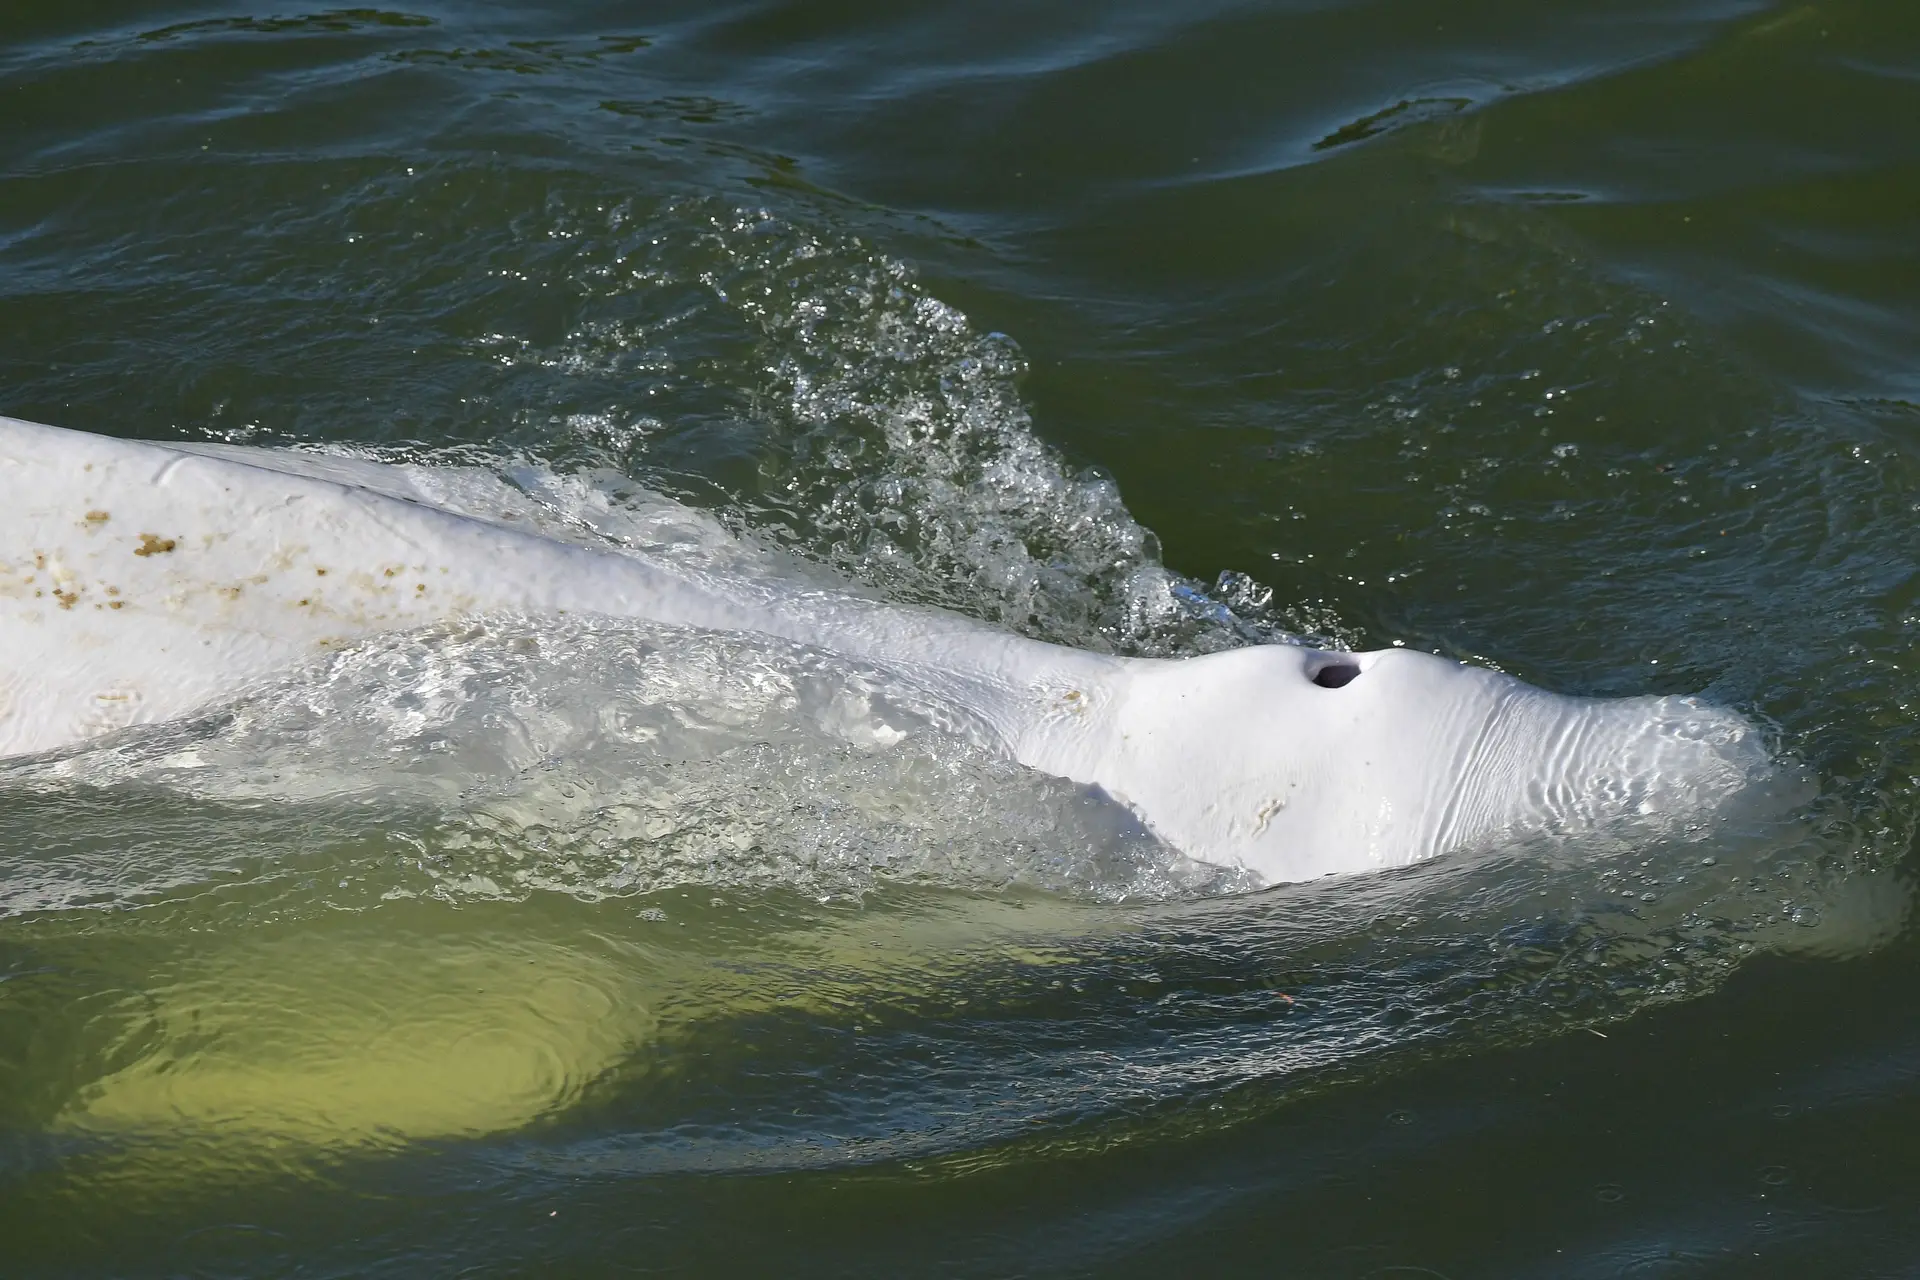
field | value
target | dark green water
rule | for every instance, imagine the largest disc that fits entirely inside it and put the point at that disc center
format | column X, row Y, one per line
column 1578, row 337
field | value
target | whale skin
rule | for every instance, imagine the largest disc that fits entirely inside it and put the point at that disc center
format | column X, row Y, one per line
column 141, row 581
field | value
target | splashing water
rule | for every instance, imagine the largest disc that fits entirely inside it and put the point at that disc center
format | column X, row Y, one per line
column 656, row 852
column 892, row 442
column 596, row 758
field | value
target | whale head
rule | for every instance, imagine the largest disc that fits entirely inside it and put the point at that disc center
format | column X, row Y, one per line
column 1296, row 763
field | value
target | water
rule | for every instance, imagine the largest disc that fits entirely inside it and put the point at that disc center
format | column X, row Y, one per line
column 1574, row 338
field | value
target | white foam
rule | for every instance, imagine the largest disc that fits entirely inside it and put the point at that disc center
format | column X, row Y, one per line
column 895, row 444
column 599, row 758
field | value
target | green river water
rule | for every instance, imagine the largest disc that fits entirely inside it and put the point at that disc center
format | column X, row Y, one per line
column 1576, row 337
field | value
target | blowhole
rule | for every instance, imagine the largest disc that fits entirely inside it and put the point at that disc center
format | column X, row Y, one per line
column 1336, row 675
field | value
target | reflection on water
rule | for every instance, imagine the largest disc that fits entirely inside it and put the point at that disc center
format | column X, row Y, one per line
column 321, row 1040
column 365, row 981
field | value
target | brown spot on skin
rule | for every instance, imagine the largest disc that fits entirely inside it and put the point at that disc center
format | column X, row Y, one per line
column 113, row 591
column 390, row 572
column 116, row 604
column 39, row 559
column 304, row 603
column 152, row 544
column 67, row 599
column 97, row 517
column 231, row 593
column 319, row 573
column 1266, row 815
column 419, row 587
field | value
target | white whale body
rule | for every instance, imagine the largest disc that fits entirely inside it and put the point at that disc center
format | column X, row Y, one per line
column 139, row 582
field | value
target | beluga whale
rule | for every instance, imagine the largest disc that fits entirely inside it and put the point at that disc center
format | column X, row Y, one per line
column 141, row 582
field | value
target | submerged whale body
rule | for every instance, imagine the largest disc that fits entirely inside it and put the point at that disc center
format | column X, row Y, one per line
column 139, row 582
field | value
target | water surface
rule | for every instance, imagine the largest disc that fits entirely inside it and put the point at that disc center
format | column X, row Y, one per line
column 1575, row 338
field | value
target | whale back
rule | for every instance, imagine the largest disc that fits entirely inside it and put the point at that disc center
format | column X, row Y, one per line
column 140, row 582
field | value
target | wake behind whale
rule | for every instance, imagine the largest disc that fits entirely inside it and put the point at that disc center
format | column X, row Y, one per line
column 143, row 582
